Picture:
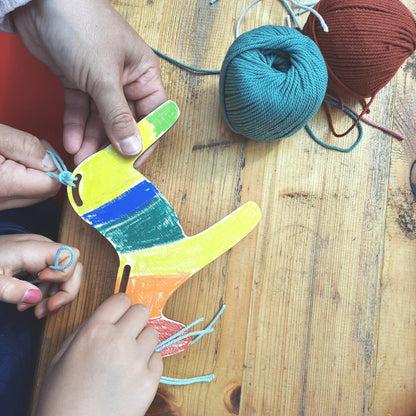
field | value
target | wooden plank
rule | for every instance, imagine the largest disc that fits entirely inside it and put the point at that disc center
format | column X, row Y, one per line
column 395, row 392
column 320, row 316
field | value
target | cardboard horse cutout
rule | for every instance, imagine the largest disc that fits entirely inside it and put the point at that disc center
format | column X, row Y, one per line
column 156, row 256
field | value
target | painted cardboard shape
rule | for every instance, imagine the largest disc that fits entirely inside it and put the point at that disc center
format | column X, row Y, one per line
column 156, row 256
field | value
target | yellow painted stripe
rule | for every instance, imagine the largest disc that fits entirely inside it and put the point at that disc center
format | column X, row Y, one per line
column 104, row 176
column 148, row 133
column 192, row 254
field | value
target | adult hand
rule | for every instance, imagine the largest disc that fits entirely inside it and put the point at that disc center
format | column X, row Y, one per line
column 108, row 367
column 111, row 77
column 22, row 254
column 23, row 163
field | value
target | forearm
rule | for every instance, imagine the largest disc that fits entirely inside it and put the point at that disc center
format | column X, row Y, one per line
column 6, row 7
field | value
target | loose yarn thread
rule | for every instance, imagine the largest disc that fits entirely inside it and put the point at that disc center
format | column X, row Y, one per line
column 349, row 113
column 184, row 334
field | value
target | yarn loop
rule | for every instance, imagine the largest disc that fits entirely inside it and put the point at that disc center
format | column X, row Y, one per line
column 273, row 81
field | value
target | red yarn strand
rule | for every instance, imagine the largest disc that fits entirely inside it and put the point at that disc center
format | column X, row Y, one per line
column 365, row 110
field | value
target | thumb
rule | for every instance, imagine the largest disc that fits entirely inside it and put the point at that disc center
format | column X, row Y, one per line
column 119, row 123
column 16, row 291
column 24, row 148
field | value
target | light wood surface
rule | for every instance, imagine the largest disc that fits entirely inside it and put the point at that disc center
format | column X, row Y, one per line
column 321, row 311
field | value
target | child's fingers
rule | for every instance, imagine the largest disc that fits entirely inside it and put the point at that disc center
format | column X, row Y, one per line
column 41, row 309
column 48, row 290
column 155, row 364
column 66, row 258
column 134, row 320
column 31, row 253
column 112, row 309
column 13, row 290
column 67, row 291
column 147, row 340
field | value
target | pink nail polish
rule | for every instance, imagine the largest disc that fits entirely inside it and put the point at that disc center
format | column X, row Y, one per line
column 32, row 296
column 23, row 308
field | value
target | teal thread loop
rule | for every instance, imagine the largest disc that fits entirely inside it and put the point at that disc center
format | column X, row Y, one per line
column 186, row 381
column 56, row 265
column 64, row 175
column 339, row 149
column 180, row 335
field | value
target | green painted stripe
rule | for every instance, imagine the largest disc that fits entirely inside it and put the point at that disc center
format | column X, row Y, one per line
column 155, row 225
column 164, row 117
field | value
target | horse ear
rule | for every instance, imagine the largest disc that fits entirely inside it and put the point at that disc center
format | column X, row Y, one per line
column 157, row 123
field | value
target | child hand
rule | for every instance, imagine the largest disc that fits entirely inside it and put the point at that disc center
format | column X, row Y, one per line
column 111, row 77
column 30, row 253
column 23, row 163
column 108, row 367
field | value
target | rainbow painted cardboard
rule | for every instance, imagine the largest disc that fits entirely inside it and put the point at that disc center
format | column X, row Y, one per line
column 156, row 256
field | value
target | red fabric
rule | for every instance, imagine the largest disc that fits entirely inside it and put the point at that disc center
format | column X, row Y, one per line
column 367, row 42
column 32, row 97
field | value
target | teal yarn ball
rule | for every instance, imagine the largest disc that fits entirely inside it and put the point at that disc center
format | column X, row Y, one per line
column 273, row 81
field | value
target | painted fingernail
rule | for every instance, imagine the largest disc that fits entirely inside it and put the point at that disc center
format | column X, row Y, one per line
column 47, row 162
column 25, row 307
column 32, row 296
column 131, row 146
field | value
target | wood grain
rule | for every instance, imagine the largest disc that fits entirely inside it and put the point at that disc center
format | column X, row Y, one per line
column 321, row 315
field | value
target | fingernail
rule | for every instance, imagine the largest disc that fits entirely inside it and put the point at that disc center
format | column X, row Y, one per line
column 25, row 307
column 47, row 162
column 32, row 296
column 42, row 314
column 131, row 146
column 57, row 308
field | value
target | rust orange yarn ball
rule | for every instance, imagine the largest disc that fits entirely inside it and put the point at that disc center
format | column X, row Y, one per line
column 367, row 42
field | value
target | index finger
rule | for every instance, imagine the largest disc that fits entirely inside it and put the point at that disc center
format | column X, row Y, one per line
column 24, row 148
column 20, row 181
column 112, row 309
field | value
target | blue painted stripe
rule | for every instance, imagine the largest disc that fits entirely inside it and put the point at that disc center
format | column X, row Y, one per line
column 136, row 198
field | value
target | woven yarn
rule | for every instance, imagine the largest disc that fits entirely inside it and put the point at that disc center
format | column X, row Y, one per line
column 273, row 81
column 367, row 42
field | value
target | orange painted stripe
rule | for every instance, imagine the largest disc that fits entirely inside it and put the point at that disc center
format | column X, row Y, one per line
column 154, row 291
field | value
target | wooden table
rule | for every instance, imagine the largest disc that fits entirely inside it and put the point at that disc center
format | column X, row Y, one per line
column 321, row 311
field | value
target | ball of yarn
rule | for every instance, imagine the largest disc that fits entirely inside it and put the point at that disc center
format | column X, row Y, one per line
column 367, row 42
column 273, row 81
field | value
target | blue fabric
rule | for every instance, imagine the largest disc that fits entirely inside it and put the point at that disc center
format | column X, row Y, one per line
column 20, row 332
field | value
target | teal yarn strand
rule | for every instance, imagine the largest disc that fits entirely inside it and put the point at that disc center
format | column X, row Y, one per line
column 273, row 81
column 337, row 148
column 184, row 66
